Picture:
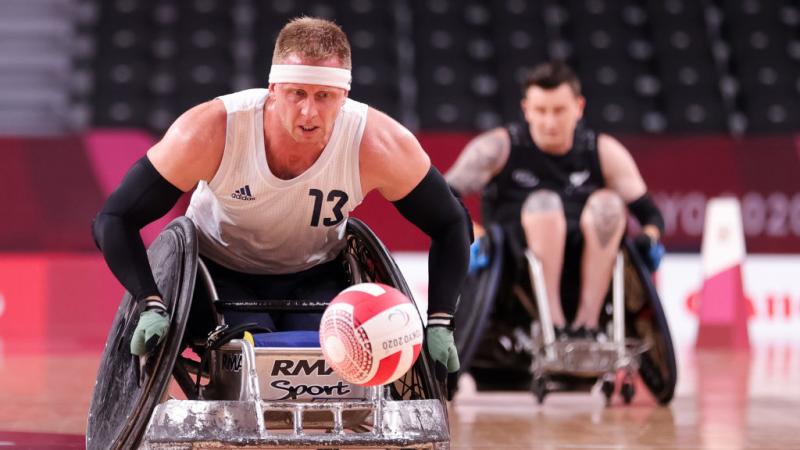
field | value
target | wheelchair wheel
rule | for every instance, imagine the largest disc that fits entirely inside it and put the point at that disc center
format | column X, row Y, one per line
column 378, row 266
column 125, row 394
column 645, row 320
column 485, row 319
column 539, row 387
column 477, row 299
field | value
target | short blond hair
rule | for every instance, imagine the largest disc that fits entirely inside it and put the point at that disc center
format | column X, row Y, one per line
column 313, row 38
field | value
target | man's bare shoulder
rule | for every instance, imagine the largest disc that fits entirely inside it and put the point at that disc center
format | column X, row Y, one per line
column 609, row 146
column 482, row 158
column 382, row 135
column 498, row 134
column 386, row 141
column 619, row 168
column 391, row 158
column 192, row 148
column 495, row 143
column 200, row 126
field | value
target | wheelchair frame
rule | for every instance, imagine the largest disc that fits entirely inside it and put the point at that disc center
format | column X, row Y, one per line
column 410, row 413
column 640, row 339
column 586, row 358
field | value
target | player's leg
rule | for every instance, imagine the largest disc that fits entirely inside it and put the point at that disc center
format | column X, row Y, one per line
column 545, row 229
column 232, row 285
column 602, row 223
column 318, row 284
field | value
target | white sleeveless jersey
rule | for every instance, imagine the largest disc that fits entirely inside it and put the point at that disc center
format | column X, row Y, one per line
column 250, row 221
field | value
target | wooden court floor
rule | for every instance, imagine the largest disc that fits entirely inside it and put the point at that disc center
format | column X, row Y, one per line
column 724, row 400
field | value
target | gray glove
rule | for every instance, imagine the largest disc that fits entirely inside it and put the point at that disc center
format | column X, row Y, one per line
column 151, row 329
column 441, row 346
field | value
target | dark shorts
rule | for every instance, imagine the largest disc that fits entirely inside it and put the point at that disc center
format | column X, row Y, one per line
column 571, row 272
column 319, row 283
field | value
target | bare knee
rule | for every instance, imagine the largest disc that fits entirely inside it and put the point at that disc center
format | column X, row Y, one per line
column 542, row 202
column 543, row 216
column 604, row 216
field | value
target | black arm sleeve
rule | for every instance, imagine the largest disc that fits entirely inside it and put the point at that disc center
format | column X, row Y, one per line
column 142, row 197
column 470, row 231
column 647, row 213
column 432, row 207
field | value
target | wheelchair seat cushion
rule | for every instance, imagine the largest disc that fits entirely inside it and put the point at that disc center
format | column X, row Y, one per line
column 304, row 339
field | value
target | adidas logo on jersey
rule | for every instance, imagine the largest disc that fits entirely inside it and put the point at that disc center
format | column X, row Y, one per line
column 243, row 194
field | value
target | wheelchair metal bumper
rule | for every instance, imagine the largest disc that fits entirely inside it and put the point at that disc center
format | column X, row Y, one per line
column 589, row 358
column 186, row 424
column 253, row 422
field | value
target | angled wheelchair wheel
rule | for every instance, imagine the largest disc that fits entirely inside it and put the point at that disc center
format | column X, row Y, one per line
column 645, row 320
column 493, row 320
column 477, row 298
column 377, row 265
column 126, row 393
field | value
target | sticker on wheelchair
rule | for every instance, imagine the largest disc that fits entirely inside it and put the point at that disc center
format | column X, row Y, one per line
column 232, row 362
column 286, row 374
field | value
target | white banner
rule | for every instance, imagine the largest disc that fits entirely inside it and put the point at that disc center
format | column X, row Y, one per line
column 770, row 282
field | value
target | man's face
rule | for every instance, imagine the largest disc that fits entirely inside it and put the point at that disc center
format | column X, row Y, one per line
column 552, row 115
column 308, row 111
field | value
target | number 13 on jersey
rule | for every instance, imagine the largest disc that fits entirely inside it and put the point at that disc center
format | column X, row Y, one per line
column 339, row 197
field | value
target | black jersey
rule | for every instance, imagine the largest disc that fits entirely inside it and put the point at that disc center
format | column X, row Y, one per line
column 574, row 176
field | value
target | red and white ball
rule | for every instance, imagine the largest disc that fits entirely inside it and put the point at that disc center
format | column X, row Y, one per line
column 371, row 334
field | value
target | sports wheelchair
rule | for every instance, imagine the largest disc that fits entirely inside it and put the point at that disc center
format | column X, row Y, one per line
column 506, row 338
column 271, row 390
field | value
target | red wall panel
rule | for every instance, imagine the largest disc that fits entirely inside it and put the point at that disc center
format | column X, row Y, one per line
column 51, row 188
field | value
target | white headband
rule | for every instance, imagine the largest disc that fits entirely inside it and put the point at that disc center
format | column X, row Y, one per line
column 326, row 76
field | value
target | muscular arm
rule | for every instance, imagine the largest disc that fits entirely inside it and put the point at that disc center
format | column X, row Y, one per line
column 192, row 148
column 151, row 188
column 622, row 175
column 482, row 158
column 394, row 163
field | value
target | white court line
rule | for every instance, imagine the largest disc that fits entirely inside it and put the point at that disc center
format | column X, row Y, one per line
column 7, row 444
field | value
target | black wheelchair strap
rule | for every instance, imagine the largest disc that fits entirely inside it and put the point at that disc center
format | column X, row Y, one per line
column 270, row 305
column 221, row 336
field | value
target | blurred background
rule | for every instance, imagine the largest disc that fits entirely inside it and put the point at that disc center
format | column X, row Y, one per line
column 650, row 67
column 704, row 93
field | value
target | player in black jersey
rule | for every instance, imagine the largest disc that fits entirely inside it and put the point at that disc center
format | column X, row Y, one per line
column 562, row 190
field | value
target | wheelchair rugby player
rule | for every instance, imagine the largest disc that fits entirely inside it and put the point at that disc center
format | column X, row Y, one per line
column 555, row 199
column 265, row 245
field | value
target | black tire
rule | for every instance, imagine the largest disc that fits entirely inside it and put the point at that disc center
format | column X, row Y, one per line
column 607, row 388
column 539, row 388
column 120, row 407
column 477, row 299
column 627, row 391
column 645, row 320
column 420, row 382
